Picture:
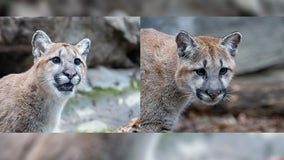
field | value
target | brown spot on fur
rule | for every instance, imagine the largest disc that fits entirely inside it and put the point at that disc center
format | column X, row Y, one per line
column 33, row 88
column 185, row 70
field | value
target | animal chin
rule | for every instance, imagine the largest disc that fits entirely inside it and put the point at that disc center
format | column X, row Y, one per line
column 211, row 102
column 66, row 87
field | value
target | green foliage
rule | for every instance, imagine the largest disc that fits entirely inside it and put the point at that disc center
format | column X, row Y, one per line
column 94, row 127
column 98, row 92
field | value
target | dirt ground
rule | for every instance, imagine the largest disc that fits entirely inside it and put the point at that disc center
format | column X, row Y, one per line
column 198, row 121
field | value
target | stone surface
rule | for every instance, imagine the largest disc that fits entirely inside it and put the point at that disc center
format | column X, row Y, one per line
column 218, row 146
column 144, row 8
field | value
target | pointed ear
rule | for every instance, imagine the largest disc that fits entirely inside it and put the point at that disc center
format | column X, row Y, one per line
column 83, row 47
column 185, row 44
column 231, row 42
column 40, row 41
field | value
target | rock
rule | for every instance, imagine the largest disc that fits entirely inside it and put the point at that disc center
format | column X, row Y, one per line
column 145, row 8
column 216, row 146
column 99, row 113
column 111, row 78
column 128, row 26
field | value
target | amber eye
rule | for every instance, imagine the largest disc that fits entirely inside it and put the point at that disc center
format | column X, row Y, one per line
column 223, row 71
column 77, row 61
column 56, row 60
column 200, row 72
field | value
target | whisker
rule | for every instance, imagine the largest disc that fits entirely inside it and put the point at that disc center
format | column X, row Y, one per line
column 186, row 95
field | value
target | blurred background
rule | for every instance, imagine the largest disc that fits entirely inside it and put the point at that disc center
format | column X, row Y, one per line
column 110, row 96
column 142, row 8
column 191, row 146
column 257, row 102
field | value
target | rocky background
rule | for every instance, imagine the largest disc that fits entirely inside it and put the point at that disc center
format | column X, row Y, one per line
column 257, row 102
column 110, row 96
column 142, row 8
column 221, row 146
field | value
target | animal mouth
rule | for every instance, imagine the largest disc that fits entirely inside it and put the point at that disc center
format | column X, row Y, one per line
column 208, row 101
column 66, row 87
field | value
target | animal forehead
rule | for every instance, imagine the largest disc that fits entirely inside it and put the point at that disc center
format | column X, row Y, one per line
column 208, row 61
column 63, row 49
column 210, row 49
column 208, row 44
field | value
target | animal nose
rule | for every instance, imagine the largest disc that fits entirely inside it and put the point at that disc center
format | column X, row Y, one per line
column 69, row 73
column 213, row 93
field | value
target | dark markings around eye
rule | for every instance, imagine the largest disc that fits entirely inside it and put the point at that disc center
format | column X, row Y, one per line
column 204, row 63
column 221, row 62
column 60, row 51
column 74, row 53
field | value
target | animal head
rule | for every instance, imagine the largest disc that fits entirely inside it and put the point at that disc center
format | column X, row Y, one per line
column 206, row 65
column 59, row 66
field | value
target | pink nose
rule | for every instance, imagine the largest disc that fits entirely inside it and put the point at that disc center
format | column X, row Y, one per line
column 213, row 93
column 70, row 73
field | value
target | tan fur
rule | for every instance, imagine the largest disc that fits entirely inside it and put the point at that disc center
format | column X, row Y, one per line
column 27, row 102
column 164, row 76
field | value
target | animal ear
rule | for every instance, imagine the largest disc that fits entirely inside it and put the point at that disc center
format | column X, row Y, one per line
column 231, row 42
column 83, row 47
column 185, row 44
column 40, row 41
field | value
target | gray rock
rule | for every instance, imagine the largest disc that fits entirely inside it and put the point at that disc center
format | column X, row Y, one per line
column 147, row 7
column 111, row 78
column 214, row 146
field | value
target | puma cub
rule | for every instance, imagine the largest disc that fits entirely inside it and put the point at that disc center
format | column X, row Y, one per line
column 32, row 101
column 177, row 70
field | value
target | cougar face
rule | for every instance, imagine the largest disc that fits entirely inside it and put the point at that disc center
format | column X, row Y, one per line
column 206, row 65
column 59, row 65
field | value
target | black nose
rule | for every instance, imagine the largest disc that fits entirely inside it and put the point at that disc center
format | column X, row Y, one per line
column 213, row 93
column 69, row 73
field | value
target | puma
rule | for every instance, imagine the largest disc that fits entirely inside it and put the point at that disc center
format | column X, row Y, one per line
column 177, row 70
column 32, row 101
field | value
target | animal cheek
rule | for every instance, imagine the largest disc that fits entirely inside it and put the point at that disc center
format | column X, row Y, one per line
column 197, row 82
column 76, row 80
column 226, row 81
column 61, row 79
column 50, row 67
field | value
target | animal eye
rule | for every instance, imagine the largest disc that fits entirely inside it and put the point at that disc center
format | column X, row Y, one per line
column 77, row 61
column 200, row 72
column 223, row 71
column 56, row 60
